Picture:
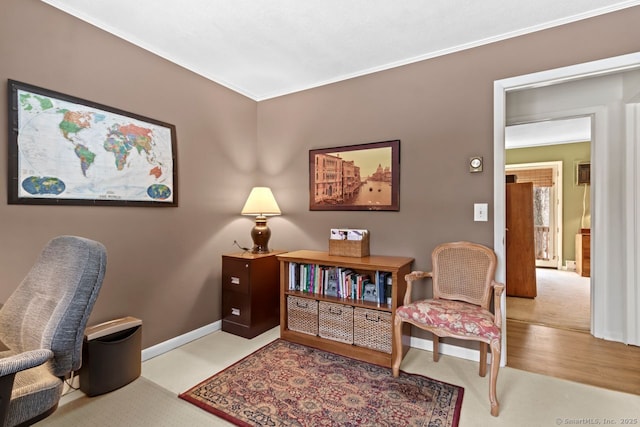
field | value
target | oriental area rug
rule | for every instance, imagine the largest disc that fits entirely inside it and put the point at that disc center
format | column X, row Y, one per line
column 287, row 384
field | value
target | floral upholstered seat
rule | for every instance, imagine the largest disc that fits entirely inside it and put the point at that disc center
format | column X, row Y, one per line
column 463, row 286
column 457, row 317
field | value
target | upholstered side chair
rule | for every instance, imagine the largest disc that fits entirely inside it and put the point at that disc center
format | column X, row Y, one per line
column 42, row 327
column 463, row 280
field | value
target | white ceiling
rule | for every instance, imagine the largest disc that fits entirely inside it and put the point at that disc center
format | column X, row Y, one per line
column 267, row 48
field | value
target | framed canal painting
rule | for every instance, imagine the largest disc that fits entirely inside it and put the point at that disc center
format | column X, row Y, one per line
column 65, row 150
column 355, row 177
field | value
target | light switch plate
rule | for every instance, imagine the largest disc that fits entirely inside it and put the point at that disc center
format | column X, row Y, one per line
column 480, row 212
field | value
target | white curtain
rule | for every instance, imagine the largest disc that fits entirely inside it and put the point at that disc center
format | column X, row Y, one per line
column 633, row 225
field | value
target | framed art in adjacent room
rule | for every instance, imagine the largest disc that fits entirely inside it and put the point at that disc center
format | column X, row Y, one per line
column 65, row 150
column 583, row 173
column 355, row 177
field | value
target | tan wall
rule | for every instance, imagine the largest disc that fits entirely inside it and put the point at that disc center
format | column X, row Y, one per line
column 442, row 111
column 164, row 264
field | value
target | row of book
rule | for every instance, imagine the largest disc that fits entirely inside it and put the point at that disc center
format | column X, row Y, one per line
column 341, row 282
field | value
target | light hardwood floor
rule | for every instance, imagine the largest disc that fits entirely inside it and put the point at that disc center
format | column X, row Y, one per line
column 561, row 351
column 575, row 356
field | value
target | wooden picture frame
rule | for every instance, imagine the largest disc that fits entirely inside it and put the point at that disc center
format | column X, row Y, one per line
column 65, row 150
column 355, row 177
column 583, row 173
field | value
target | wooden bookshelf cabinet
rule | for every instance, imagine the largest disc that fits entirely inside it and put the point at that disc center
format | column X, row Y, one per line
column 397, row 266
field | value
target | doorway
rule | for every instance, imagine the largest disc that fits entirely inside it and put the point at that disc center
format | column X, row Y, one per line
column 547, row 208
column 616, row 281
column 544, row 154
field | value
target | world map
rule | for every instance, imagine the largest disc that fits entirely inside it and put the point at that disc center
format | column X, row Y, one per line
column 69, row 150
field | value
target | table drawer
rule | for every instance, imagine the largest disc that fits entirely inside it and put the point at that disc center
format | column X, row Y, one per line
column 236, row 275
column 236, row 307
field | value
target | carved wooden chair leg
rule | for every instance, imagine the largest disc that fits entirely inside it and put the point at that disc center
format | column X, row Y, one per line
column 483, row 359
column 436, row 350
column 397, row 336
column 493, row 378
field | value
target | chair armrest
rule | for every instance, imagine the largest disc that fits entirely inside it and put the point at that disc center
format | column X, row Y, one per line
column 410, row 278
column 498, row 289
column 20, row 362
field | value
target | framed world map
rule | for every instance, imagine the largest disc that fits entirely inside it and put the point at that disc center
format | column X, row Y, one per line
column 65, row 150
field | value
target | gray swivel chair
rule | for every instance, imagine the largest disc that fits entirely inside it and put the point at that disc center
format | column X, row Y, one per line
column 42, row 327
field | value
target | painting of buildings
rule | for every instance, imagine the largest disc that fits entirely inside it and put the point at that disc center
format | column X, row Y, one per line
column 361, row 178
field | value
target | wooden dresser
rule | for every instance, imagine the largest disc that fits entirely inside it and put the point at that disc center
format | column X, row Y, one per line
column 583, row 252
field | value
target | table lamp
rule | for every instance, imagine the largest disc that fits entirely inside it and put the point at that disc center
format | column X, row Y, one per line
column 261, row 203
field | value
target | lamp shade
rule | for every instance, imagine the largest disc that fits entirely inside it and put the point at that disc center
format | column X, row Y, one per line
column 261, row 202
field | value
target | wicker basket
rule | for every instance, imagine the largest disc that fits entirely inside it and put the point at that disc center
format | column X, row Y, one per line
column 350, row 248
column 336, row 322
column 302, row 315
column 372, row 329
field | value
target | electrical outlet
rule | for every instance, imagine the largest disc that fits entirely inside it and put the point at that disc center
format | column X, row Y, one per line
column 480, row 212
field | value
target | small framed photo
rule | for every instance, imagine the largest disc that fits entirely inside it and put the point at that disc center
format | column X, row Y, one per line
column 355, row 177
column 583, row 175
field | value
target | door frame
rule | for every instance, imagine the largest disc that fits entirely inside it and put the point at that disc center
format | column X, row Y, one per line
column 600, row 264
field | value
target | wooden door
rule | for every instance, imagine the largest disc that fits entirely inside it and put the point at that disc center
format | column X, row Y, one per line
column 521, row 257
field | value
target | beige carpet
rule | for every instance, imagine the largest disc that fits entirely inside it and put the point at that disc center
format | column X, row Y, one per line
column 563, row 301
column 526, row 399
column 140, row 403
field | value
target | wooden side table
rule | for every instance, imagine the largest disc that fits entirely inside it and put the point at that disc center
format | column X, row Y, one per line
column 250, row 293
column 583, row 252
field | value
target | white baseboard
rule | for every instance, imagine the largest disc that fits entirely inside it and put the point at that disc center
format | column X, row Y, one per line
column 420, row 343
column 173, row 343
column 447, row 349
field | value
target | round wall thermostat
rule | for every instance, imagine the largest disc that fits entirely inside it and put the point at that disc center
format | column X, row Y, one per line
column 475, row 164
